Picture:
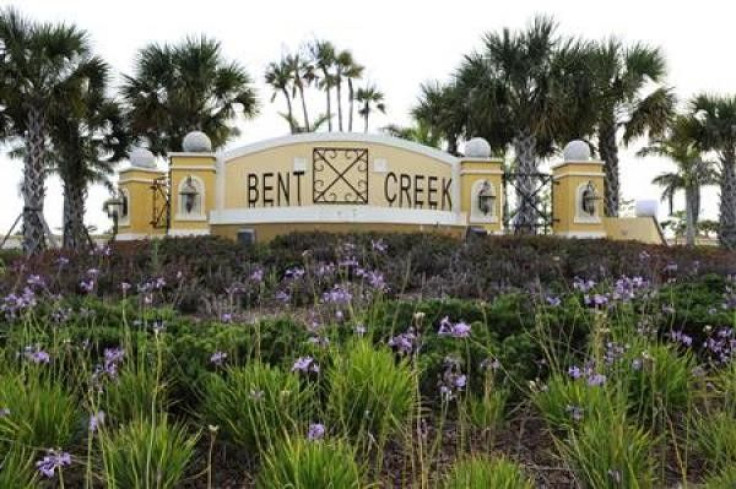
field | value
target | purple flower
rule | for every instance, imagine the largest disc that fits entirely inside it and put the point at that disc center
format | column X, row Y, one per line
column 553, row 301
column 125, row 287
column 316, row 432
column 294, row 273
column 338, row 295
column 360, row 330
column 404, row 342
column 574, row 372
column 379, row 246
column 226, row 317
column 52, row 461
column 596, row 379
column 453, row 380
column 36, row 355
column 305, row 365
column 582, row 285
column 257, row 275
column 36, row 281
column 4, row 412
column 636, row 364
column 456, row 330
column 87, row 285
column 615, row 475
column 682, row 338
column 256, row 395
column 218, row 358
column 96, row 420
column 282, row 296
column 490, row 363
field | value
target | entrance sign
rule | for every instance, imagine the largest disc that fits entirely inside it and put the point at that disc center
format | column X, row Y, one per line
column 338, row 182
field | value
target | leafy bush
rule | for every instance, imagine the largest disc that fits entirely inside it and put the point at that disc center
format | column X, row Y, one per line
column 606, row 452
column 565, row 402
column 369, row 392
column 483, row 473
column 723, row 480
column 137, row 392
column 487, row 412
column 255, row 405
column 300, row 463
column 17, row 469
column 37, row 412
column 146, row 453
column 715, row 435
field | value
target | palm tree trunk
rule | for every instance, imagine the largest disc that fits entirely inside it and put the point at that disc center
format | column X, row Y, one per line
column 34, row 189
column 727, row 219
column 609, row 154
column 339, row 102
column 689, row 216
column 75, row 234
column 351, row 97
column 329, row 110
column 289, row 109
column 526, row 214
column 304, row 107
column 366, row 112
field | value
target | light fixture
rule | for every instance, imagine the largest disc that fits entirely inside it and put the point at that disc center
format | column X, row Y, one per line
column 589, row 196
column 189, row 194
column 486, row 199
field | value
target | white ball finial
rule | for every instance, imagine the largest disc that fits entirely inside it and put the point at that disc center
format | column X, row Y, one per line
column 477, row 148
column 576, row 150
column 142, row 158
column 197, row 142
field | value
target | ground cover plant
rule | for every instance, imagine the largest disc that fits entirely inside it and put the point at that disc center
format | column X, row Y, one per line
column 369, row 361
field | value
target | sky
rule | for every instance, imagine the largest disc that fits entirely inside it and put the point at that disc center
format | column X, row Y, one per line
column 401, row 43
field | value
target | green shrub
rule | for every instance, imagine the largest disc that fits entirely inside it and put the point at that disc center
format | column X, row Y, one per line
column 370, row 392
column 255, row 405
column 40, row 413
column 303, row 464
column 606, row 452
column 486, row 412
column 657, row 378
column 726, row 479
column 17, row 469
column 715, row 436
column 137, row 392
column 483, row 473
column 146, row 454
column 565, row 402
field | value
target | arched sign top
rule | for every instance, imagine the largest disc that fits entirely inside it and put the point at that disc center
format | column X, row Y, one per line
column 339, row 137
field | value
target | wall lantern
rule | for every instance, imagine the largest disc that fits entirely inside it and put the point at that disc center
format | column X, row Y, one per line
column 486, row 198
column 189, row 194
column 589, row 196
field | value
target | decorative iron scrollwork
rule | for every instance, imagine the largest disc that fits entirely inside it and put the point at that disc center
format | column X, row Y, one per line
column 161, row 218
column 340, row 176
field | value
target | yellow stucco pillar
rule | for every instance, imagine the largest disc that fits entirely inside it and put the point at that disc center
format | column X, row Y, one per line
column 481, row 187
column 192, row 189
column 577, row 204
column 136, row 218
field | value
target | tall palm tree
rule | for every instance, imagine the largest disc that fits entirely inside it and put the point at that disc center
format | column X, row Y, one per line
column 716, row 131
column 42, row 70
column 279, row 76
column 353, row 72
column 324, row 57
column 343, row 63
column 370, row 99
column 519, row 86
column 620, row 76
column 86, row 146
column 692, row 172
column 301, row 75
column 181, row 88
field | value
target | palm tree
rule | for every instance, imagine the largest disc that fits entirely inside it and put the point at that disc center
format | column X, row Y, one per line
column 301, row 75
column 620, row 76
column 343, row 63
column 518, row 88
column 716, row 131
column 186, row 87
column 324, row 57
column 691, row 174
column 441, row 107
column 279, row 76
column 42, row 70
column 420, row 133
column 86, row 145
column 371, row 99
column 353, row 72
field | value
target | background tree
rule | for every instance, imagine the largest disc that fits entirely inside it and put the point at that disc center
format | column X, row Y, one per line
column 441, row 107
column 353, row 72
column 716, row 131
column 42, row 70
column 419, row 132
column 519, row 86
column 279, row 76
column 370, row 99
column 181, row 88
column 692, row 171
column 324, row 58
column 621, row 76
column 85, row 147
